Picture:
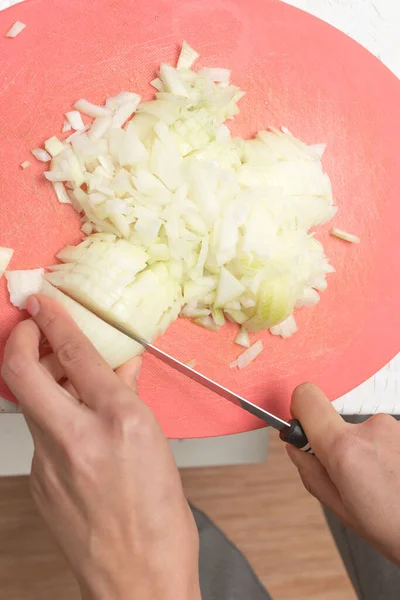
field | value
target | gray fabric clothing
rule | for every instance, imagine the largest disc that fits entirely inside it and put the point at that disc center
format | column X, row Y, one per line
column 225, row 574
column 373, row 577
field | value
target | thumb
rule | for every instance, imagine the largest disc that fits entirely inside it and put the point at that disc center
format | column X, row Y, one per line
column 130, row 371
column 322, row 424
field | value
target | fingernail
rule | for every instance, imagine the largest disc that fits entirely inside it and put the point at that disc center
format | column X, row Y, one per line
column 33, row 306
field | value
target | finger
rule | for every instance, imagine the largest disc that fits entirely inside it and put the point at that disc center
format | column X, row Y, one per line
column 317, row 481
column 52, row 365
column 319, row 419
column 130, row 371
column 68, row 387
column 37, row 392
column 93, row 379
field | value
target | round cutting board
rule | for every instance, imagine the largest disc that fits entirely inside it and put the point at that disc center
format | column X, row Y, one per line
column 298, row 72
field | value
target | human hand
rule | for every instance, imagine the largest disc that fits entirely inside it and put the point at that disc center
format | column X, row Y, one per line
column 355, row 472
column 103, row 476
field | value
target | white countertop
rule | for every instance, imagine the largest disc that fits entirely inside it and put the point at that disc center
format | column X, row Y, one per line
column 374, row 24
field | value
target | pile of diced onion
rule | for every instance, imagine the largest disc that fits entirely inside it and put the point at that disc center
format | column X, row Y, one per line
column 181, row 218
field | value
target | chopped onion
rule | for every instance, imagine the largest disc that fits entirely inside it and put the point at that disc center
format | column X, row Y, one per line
column 61, row 193
column 53, row 146
column 344, row 235
column 217, row 74
column 285, row 329
column 74, row 118
column 187, row 57
column 99, row 128
column 66, row 126
column 22, row 284
column 41, row 154
column 55, row 176
column 76, row 134
column 25, row 164
column 15, row 29
column 207, row 323
column 5, row 259
column 223, row 224
column 87, row 228
column 157, row 84
column 248, row 356
column 191, row 363
column 242, row 338
column 92, row 110
column 319, row 149
column 229, row 288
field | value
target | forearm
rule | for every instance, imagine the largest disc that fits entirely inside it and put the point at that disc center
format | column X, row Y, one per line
column 168, row 586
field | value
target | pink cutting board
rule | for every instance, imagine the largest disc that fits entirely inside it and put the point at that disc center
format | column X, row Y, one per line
column 298, row 72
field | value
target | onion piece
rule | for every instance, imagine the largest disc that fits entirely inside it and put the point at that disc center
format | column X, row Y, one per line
column 191, row 363
column 217, row 74
column 66, row 126
column 99, row 128
column 5, row 259
column 319, row 149
column 248, row 356
column 74, row 118
column 41, row 154
column 121, row 99
column 92, row 110
column 54, row 176
column 286, row 329
column 229, row 288
column 207, row 323
column 25, row 164
column 157, row 84
column 344, row 235
column 87, row 228
column 187, row 57
column 15, row 29
column 218, row 316
column 77, row 133
column 242, row 338
column 124, row 113
column 172, row 81
column 61, row 193
column 22, row 284
column 53, row 146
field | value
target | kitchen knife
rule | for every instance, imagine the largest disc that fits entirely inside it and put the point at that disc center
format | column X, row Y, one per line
column 290, row 431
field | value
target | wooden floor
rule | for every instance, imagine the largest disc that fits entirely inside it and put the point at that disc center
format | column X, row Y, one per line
column 262, row 508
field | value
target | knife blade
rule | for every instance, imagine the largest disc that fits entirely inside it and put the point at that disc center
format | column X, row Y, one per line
column 290, row 431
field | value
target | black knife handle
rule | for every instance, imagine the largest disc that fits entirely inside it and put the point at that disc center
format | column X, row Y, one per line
column 295, row 435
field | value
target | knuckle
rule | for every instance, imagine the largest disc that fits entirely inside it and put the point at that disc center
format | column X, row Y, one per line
column 345, row 453
column 70, row 353
column 380, row 422
column 130, row 422
column 47, row 319
column 14, row 366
